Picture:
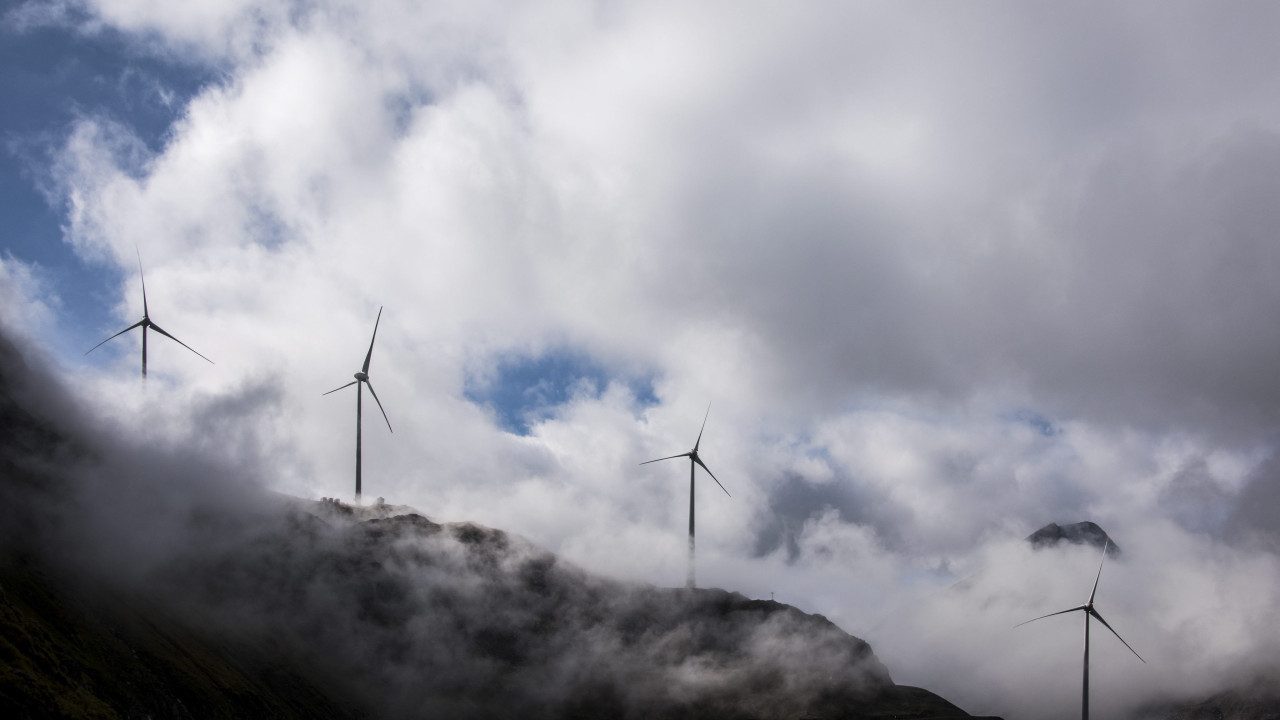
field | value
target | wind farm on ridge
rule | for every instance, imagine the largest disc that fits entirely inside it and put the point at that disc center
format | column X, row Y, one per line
column 362, row 377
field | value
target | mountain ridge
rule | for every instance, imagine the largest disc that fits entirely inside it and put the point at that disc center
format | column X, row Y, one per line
column 138, row 581
column 133, row 655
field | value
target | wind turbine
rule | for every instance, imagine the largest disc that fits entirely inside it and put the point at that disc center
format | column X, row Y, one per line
column 145, row 323
column 1089, row 611
column 694, row 461
column 362, row 377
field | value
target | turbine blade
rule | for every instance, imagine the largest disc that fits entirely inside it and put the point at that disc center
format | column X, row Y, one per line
column 704, row 427
column 353, row 382
column 160, row 330
column 375, row 399
column 1060, row 612
column 144, row 282
column 713, row 475
column 104, row 342
column 1104, row 559
column 1113, row 632
column 646, row 462
column 369, row 356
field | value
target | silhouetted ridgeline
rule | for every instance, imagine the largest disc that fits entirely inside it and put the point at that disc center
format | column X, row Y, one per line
column 141, row 582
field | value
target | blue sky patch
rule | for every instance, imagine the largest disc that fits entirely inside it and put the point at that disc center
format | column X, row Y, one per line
column 526, row 389
column 50, row 77
column 1040, row 423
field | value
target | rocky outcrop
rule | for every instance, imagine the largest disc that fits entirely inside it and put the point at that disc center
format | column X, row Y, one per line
column 1081, row 533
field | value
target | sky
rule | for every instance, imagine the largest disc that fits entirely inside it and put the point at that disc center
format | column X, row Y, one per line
column 942, row 272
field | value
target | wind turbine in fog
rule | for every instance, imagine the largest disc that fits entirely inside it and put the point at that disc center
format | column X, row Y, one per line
column 1089, row 611
column 694, row 461
column 145, row 323
column 362, row 377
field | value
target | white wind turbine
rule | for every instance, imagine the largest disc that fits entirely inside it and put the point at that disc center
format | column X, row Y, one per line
column 145, row 323
column 694, row 462
column 362, row 378
column 1089, row 611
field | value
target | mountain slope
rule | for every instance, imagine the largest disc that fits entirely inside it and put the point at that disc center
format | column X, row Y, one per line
column 150, row 580
column 401, row 617
column 86, row 652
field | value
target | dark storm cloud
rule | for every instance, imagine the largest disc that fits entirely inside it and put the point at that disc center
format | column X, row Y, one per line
column 1256, row 511
column 1143, row 292
column 1084, row 215
column 1165, row 287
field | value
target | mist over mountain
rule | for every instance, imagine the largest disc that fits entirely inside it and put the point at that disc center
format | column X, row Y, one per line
column 944, row 272
column 149, row 582
column 1257, row 700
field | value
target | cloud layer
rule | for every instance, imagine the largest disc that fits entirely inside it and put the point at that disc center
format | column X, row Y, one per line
column 946, row 274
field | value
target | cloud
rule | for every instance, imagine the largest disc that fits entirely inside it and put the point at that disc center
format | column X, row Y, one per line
column 1185, row 605
column 26, row 299
column 877, row 240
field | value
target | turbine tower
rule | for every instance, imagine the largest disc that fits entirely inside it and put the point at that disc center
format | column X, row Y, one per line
column 145, row 323
column 362, row 378
column 694, row 461
column 1089, row 611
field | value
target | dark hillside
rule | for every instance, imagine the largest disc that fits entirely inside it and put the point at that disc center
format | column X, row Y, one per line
column 82, row 652
column 138, row 582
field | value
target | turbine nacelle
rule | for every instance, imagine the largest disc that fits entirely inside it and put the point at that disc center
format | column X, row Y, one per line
column 362, row 376
column 693, row 455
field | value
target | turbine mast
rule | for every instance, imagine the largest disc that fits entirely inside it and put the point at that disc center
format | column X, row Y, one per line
column 1088, row 610
column 694, row 462
column 146, row 316
column 359, row 404
column 689, row 582
column 1084, row 700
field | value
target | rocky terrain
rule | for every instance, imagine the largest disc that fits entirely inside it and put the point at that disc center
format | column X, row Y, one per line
column 1081, row 533
column 402, row 617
